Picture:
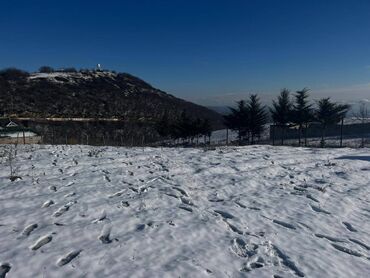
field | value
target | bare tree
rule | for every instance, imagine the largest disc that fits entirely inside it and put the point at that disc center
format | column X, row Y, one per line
column 9, row 153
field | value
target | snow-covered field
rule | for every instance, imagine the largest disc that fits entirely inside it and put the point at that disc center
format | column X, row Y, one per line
column 256, row 211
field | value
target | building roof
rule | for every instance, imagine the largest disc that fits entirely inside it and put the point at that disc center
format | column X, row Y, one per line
column 8, row 126
column 11, row 124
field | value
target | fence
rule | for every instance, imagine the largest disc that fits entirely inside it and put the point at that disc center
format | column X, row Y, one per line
column 21, row 140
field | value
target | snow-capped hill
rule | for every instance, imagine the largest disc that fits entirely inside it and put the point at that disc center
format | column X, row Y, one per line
column 91, row 94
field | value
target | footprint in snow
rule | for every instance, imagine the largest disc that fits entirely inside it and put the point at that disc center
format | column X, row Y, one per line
column 69, row 194
column 318, row 209
column 300, row 189
column 117, row 194
column 360, row 243
column 254, row 208
column 41, row 242
column 242, row 249
column 216, row 200
column 189, row 209
column 259, row 263
column 286, row 260
column 309, row 196
column 240, row 204
column 4, row 269
column 186, row 201
column 333, row 239
column 306, row 226
column 140, row 227
column 29, row 229
column 224, row 214
column 284, row 224
column 63, row 209
column 182, row 191
column 347, row 250
column 68, row 257
column 47, row 204
column 349, row 227
column 124, row 204
column 234, row 228
column 69, row 184
column 102, row 216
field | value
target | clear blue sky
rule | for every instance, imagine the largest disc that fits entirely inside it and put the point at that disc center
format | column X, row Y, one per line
column 197, row 49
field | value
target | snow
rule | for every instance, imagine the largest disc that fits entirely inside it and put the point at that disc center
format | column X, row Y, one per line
column 18, row 134
column 254, row 211
column 52, row 75
column 71, row 76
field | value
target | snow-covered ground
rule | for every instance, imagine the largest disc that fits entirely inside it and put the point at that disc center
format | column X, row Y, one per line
column 256, row 211
column 18, row 134
column 71, row 76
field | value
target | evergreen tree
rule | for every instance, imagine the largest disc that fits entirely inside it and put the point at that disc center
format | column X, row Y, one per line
column 257, row 117
column 237, row 120
column 195, row 128
column 14, row 74
column 281, row 111
column 329, row 113
column 302, row 112
column 46, row 69
column 206, row 129
column 163, row 126
column 183, row 126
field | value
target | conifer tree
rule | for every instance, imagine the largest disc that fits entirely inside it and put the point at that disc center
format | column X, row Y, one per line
column 257, row 117
column 329, row 113
column 163, row 126
column 302, row 113
column 206, row 129
column 281, row 111
column 237, row 120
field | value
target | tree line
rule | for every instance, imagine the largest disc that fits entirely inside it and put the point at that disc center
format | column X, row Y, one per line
column 184, row 127
column 250, row 117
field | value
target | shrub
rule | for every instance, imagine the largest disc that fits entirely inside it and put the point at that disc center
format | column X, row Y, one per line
column 46, row 69
column 14, row 74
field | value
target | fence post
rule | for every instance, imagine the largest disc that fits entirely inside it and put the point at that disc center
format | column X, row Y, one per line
column 227, row 136
column 341, row 132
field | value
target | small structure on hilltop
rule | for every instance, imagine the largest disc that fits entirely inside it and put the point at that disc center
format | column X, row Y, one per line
column 14, row 133
column 11, row 124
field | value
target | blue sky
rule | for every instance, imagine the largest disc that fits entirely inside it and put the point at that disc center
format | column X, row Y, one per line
column 209, row 51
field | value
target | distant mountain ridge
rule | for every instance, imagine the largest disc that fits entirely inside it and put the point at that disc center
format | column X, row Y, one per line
column 92, row 94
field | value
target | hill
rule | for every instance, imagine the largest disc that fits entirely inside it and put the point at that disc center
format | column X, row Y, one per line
column 121, row 108
column 91, row 94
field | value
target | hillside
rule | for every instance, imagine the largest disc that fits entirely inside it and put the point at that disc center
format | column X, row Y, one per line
column 91, row 94
column 257, row 211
